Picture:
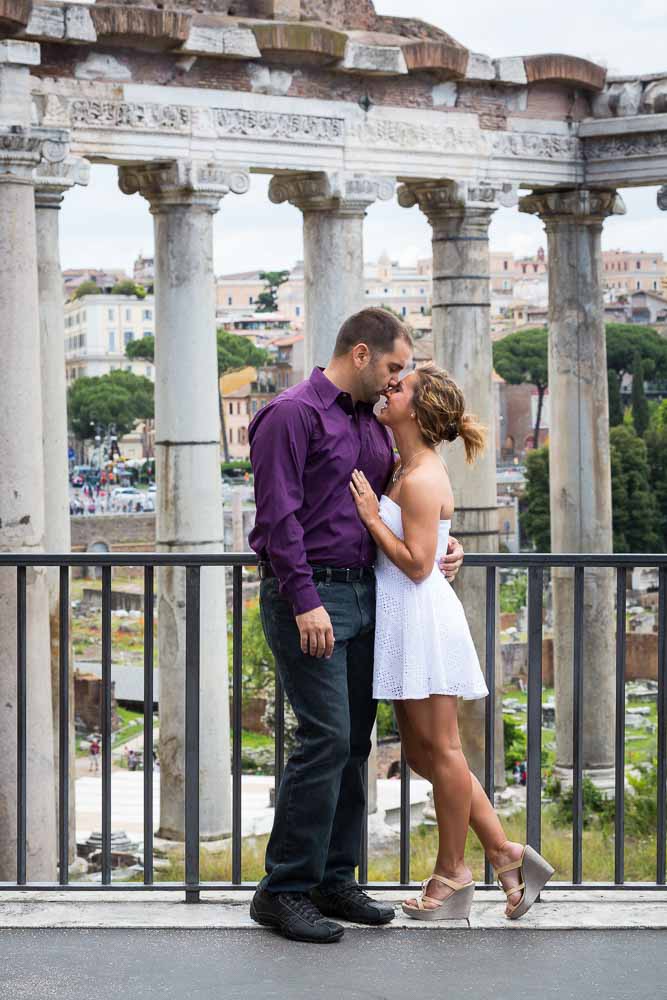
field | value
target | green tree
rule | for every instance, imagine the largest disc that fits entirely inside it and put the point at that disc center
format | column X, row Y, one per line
column 238, row 352
column 615, row 401
column 623, row 339
column 129, row 287
column 656, row 448
column 639, row 401
column 119, row 398
column 143, row 348
column 268, row 299
column 86, row 288
column 234, row 352
column 535, row 519
column 634, row 507
column 523, row 357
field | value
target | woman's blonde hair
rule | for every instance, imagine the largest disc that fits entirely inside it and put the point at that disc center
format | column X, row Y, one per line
column 440, row 411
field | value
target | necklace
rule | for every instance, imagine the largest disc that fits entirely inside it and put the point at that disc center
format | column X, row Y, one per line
column 400, row 471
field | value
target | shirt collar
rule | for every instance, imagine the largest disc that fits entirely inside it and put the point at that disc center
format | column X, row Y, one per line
column 324, row 387
column 329, row 393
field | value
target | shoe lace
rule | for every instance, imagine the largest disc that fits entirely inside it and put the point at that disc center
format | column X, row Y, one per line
column 302, row 905
column 352, row 891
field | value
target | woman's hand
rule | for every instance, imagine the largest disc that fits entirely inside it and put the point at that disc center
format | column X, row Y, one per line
column 368, row 507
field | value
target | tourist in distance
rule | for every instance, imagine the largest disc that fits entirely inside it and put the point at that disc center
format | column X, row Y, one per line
column 425, row 658
column 318, row 609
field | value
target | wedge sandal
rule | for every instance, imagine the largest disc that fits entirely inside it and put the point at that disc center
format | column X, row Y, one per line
column 535, row 873
column 454, row 907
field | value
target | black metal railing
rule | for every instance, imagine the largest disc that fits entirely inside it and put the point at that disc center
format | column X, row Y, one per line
column 535, row 564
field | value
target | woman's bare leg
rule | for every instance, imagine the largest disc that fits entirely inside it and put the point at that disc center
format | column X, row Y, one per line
column 483, row 818
column 435, row 723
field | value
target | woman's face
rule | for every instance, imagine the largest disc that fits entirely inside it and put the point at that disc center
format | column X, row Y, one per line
column 398, row 406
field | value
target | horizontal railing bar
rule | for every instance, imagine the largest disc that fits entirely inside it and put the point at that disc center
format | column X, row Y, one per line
column 251, row 886
column 510, row 560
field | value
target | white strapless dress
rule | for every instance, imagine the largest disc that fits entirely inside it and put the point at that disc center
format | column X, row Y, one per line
column 423, row 644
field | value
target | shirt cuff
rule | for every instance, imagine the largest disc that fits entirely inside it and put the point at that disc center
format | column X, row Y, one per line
column 306, row 598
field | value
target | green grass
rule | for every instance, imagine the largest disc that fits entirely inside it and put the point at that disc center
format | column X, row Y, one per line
column 598, row 856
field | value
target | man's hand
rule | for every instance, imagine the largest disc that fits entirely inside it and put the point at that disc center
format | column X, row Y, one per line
column 452, row 562
column 316, row 631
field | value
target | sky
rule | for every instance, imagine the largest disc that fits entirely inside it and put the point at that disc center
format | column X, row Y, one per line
column 101, row 227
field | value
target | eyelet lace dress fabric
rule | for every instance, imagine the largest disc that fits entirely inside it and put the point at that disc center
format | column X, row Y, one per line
column 423, row 644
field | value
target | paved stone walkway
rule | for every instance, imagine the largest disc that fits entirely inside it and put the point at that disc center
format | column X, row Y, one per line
column 367, row 964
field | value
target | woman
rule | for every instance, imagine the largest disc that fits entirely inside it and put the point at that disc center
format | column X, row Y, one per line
column 424, row 655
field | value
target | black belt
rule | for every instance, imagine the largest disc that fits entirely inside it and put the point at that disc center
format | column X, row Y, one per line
column 326, row 574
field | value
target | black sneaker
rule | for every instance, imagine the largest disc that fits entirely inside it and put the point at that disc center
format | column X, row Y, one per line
column 294, row 915
column 350, row 902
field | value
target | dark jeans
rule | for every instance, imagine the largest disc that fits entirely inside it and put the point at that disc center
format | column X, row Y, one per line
column 316, row 836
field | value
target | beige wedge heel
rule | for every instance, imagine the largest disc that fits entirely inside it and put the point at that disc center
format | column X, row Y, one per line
column 535, row 873
column 454, row 907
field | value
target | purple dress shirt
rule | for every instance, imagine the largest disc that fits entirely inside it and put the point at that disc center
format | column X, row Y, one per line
column 304, row 446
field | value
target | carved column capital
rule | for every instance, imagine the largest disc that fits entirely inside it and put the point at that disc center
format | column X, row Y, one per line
column 52, row 180
column 349, row 194
column 662, row 198
column 581, row 205
column 22, row 149
column 191, row 183
column 446, row 198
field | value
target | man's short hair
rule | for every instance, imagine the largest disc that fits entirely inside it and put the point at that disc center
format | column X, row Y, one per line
column 377, row 328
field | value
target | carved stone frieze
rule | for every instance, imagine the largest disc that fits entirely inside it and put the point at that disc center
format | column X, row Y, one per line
column 623, row 146
column 330, row 191
column 88, row 112
column 578, row 205
column 183, row 182
column 279, row 125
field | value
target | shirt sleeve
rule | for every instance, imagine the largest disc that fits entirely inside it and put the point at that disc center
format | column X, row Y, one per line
column 278, row 452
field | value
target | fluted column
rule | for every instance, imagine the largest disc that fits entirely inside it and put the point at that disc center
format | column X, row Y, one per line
column 52, row 180
column 460, row 215
column 334, row 207
column 183, row 198
column 579, row 464
column 22, row 528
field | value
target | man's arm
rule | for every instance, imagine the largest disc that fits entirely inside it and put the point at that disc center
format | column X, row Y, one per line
column 278, row 452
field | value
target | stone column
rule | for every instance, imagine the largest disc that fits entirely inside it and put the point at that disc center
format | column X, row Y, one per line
column 460, row 215
column 183, row 198
column 579, row 465
column 333, row 207
column 22, row 495
column 52, row 180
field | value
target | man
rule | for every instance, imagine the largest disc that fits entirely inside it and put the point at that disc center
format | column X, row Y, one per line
column 317, row 602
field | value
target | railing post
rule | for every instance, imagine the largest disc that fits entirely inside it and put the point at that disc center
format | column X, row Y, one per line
column 192, row 614
column 21, row 727
column 534, row 721
column 63, row 725
column 237, row 719
column 106, row 725
column 619, row 748
column 148, row 725
column 490, row 714
column 577, row 726
column 662, row 723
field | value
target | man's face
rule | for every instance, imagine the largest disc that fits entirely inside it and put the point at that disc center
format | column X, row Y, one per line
column 383, row 371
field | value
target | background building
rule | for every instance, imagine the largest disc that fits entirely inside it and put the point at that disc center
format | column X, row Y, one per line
column 97, row 330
